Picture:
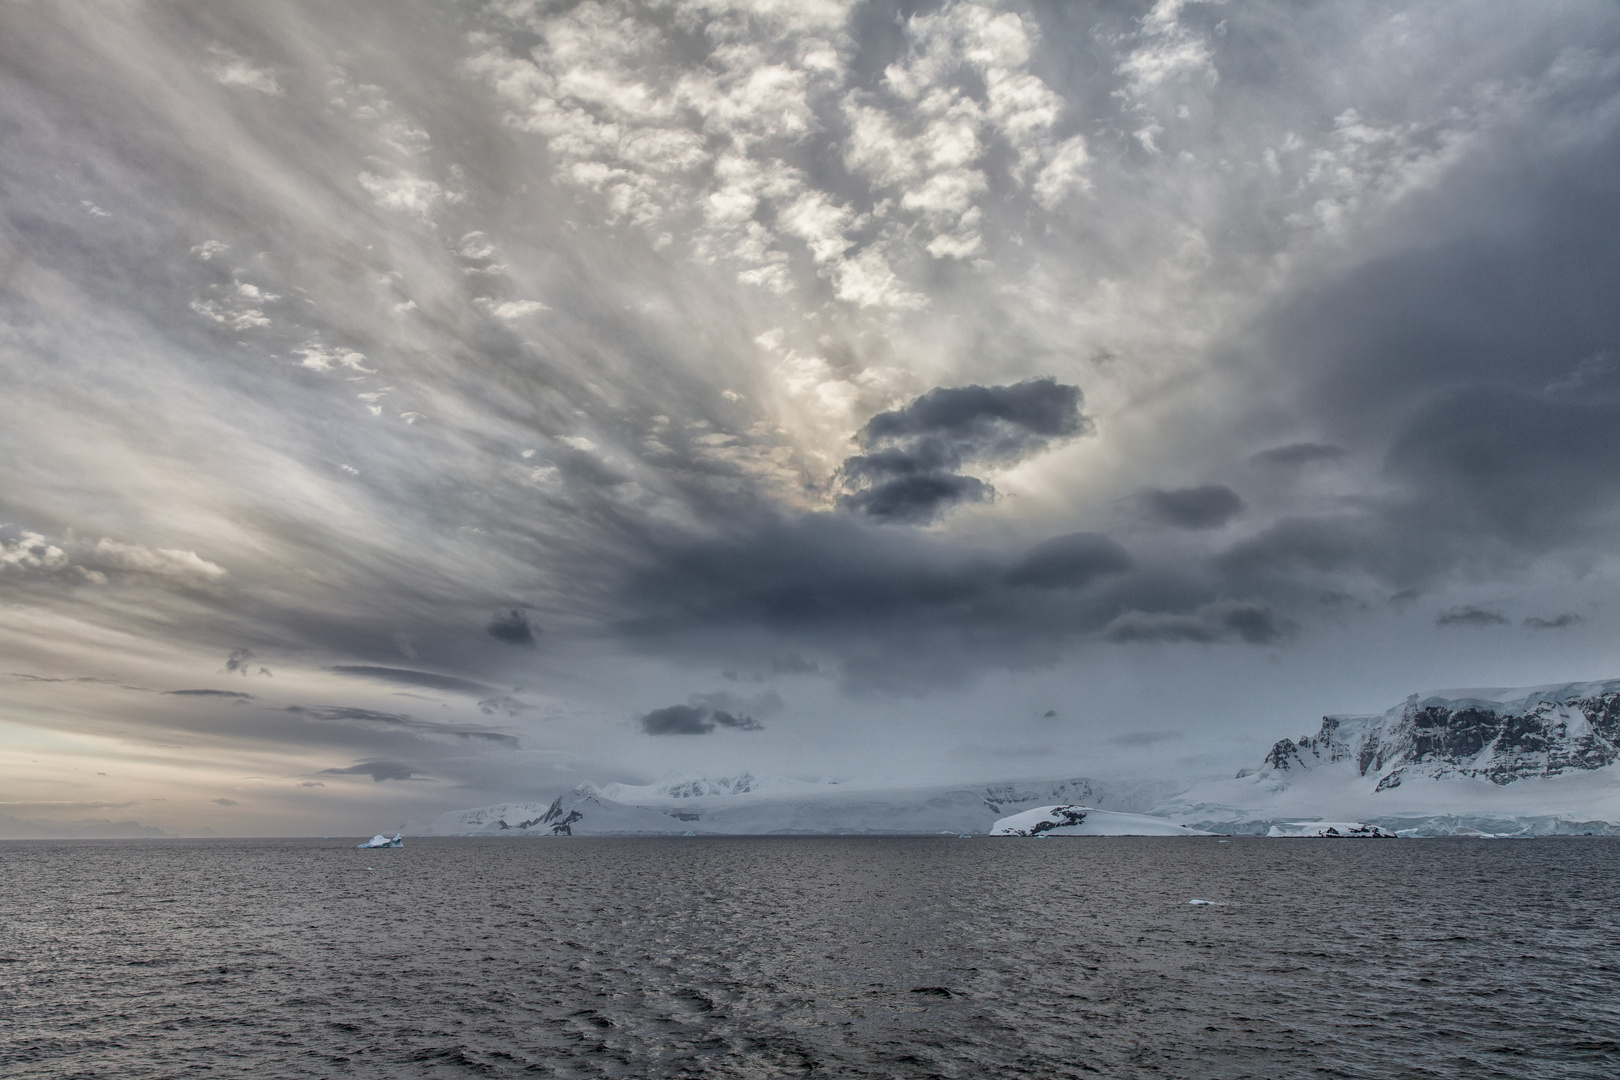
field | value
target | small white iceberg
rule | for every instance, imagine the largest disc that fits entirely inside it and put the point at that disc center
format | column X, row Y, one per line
column 1330, row 829
column 1084, row 821
column 380, row 841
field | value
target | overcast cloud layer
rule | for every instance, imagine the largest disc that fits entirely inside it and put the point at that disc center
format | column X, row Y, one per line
column 410, row 406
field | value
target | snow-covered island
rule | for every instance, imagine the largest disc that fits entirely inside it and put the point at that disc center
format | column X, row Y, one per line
column 1074, row 820
column 1349, row 830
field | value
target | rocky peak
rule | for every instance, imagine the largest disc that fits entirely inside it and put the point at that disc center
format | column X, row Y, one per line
column 1510, row 736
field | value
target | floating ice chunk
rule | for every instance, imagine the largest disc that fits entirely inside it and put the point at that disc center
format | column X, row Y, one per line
column 1202, row 903
column 381, row 841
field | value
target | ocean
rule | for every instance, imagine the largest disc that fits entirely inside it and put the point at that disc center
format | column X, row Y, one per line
column 892, row 957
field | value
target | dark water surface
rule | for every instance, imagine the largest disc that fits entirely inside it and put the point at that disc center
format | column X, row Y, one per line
column 835, row 957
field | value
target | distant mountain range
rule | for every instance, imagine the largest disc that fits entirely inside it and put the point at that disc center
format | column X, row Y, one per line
column 751, row 804
column 1529, row 761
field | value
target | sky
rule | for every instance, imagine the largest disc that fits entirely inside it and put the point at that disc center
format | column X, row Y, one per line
column 409, row 406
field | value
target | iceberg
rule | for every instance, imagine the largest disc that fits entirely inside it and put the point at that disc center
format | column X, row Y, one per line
column 1331, row 829
column 381, row 841
column 1074, row 820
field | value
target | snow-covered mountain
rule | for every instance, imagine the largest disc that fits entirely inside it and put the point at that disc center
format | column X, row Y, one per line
column 1524, row 761
column 1500, row 735
column 752, row 805
column 677, row 786
column 581, row 812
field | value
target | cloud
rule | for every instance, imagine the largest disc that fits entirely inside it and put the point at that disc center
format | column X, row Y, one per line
column 677, row 720
column 225, row 802
column 378, row 771
column 31, row 552
column 909, row 471
column 1071, row 561
column 1249, row 622
column 1300, row 453
column 410, row 677
column 1208, row 506
column 387, row 721
column 404, row 193
column 694, row 720
column 1557, row 622
column 234, row 694
column 1470, row 616
column 171, row 563
column 319, row 358
column 510, row 309
column 505, row 705
column 512, row 628
column 231, row 69
column 240, row 661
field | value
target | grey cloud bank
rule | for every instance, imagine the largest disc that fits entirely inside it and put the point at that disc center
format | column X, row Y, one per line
column 417, row 393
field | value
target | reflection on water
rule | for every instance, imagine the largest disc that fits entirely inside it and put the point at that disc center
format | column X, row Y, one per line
column 811, row 956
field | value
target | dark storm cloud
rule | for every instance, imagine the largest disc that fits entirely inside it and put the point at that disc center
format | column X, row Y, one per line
column 1475, row 367
column 409, row 677
column 1557, row 622
column 1519, row 466
column 825, row 573
column 915, row 498
column 1470, row 616
column 1068, row 562
column 1299, row 454
column 234, row 694
column 512, row 627
column 677, row 720
column 1208, row 506
column 900, row 610
column 378, row 771
column 909, row 472
column 694, row 720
